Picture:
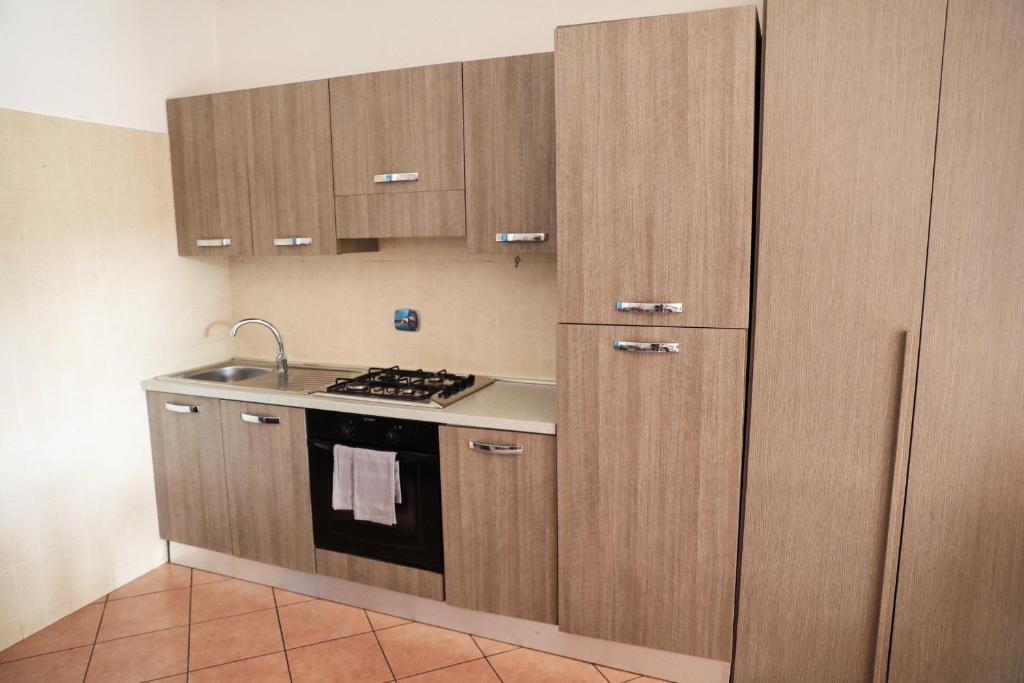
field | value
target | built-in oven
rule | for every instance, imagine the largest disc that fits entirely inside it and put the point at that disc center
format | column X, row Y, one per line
column 415, row 540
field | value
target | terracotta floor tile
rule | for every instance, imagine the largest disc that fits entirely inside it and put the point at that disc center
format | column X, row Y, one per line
column 379, row 620
column 531, row 666
column 315, row 621
column 199, row 577
column 78, row 628
column 415, row 648
column 284, row 597
column 180, row 678
column 66, row 666
column 357, row 659
column 140, row 658
column 616, row 676
column 165, row 577
column 233, row 638
column 99, row 601
column 228, row 598
column 492, row 647
column 477, row 671
column 145, row 613
column 648, row 679
column 266, row 669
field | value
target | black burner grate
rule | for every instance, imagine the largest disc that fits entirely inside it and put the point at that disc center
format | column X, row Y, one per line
column 403, row 385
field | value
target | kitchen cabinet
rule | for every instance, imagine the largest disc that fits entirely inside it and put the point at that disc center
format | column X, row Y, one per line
column 655, row 126
column 267, row 465
column 649, row 451
column 850, row 98
column 499, row 510
column 510, row 153
column 398, row 132
column 209, row 168
column 188, row 470
column 959, row 612
column 394, row 577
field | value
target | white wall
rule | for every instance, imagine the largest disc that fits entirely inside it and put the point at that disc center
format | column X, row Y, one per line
column 107, row 61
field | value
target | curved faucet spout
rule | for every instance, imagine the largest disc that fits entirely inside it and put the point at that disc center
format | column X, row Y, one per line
column 282, row 362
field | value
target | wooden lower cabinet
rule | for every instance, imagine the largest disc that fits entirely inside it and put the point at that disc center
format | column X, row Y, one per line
column 268, row 483
column 499, row 509
column 649, row 456
column 188, row 470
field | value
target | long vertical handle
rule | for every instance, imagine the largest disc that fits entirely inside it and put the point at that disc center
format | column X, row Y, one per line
column 901, row 462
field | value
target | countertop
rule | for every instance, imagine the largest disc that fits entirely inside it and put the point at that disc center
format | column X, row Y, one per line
column 517, row 406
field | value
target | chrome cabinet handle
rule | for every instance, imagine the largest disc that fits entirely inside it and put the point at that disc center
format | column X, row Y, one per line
column 396, row 177
column 521, row 237
column 629, row 307
column 260, row 419
column 218, row 242
column 654, row 347
column 181, row 408
column 292, row 241
column 494, row 448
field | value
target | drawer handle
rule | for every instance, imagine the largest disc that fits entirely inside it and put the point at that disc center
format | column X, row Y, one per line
column 292, row 241
column 651, row 347
column 260, row 419
column 494, row 448
column 396, row 177
column 521, row 237
column 181, row 408
column 218, row 242
column 629, row 307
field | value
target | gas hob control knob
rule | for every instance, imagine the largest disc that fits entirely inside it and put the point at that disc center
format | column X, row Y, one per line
column 393, row 435
column 347, row 429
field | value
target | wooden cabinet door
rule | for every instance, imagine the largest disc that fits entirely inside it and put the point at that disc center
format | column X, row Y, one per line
column 208, row 137
column 960, row 602
column 188, row 470
column 268, row 483
column 649, row 448
column 655, row 161
column 846, row 175
column 500, row 543
column 510, row 153
column 290, row 170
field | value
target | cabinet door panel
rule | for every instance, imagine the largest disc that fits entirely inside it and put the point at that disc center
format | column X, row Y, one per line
column 188, row 470
column 208, row 137
column 500, row 543
column 649, row 448
column 655, row 121
column 410, row 214
column 510, row 152
column 268, row 484
column 290, row 168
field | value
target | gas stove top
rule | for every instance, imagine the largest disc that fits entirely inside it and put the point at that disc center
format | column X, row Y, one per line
column 413, row 387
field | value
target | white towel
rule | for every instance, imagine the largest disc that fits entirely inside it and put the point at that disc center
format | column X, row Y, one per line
column 373, row 486
column 341, row 491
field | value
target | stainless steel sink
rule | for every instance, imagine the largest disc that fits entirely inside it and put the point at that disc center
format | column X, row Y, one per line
column 229, row 374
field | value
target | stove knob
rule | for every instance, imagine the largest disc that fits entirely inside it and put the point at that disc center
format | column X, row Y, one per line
column 471, row 380
column 393, row 435
column 347, row 429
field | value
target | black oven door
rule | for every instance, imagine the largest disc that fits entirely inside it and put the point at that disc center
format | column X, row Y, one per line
column 414, row 541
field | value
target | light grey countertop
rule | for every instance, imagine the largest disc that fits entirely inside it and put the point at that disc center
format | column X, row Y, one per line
column 512, row 405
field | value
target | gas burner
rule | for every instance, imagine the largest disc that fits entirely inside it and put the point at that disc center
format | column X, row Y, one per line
column 420, row 387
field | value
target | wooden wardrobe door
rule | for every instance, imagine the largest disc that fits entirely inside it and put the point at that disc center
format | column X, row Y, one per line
column 960, row 603
column 850, row 99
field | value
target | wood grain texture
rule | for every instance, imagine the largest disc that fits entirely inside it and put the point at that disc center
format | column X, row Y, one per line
column 848, row 132
column 655, row 143
column 381, row 574
column 188, row 471
column 960, row 601
column 510, row 151
column 268, row 485
column 649, row 448
column 398, row 121
column 500, row 524
column 208, row 137
column 290, row 168
column 410, row 214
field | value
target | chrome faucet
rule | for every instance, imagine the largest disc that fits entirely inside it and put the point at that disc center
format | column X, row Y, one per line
column 282, row 362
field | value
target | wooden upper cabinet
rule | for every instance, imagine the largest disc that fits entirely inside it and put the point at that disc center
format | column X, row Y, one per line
column 655, row 160
column 510, row 153
column 649, row 450
column 500, row 539
column 188, row 470
column 290, row 170
column 208, row 137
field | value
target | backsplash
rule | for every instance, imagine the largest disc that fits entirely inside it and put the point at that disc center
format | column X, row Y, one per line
column 478, row 313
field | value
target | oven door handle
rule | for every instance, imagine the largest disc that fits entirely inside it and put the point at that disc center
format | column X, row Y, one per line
column 402, row 456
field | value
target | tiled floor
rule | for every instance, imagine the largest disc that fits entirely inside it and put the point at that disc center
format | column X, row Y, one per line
column 179, row 625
